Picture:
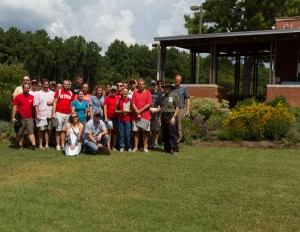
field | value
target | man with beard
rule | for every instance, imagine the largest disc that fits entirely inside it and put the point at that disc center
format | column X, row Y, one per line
column 22, row 113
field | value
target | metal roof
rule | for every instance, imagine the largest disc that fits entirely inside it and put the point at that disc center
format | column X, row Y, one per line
column 246, row 41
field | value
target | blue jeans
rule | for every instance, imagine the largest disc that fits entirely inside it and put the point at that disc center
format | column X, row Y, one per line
column 91, row 147
column 124, row 134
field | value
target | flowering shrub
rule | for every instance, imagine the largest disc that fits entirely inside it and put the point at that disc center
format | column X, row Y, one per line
column 260, row 121
column 193, row 129
column 206, row 107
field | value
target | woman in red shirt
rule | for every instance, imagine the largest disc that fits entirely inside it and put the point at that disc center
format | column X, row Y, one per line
column 123, row 109
column 110, row 118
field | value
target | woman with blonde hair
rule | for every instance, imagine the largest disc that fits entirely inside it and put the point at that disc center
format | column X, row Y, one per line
column 73, row 136
column 97, row 100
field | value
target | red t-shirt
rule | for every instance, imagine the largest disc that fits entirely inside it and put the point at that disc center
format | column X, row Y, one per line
column 64, row 101
column 140, row 99
column 121, row 116
column 111, row 103
column 24, row 105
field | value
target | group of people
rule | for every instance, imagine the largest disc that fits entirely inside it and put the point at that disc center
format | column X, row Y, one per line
column 113, row 117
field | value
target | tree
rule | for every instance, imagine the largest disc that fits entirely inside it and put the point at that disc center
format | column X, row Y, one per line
column 38, row 53
column 241, row 15
column 11, row 73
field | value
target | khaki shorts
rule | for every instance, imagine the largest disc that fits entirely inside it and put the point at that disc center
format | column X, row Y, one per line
column 63, row 119
column 27, row 127
column 154, row 125
column 135, row 128
column 47, row 127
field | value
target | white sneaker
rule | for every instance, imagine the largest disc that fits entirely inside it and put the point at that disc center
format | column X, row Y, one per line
column 129, row 150
column 114, row 149
column 146, row 150
column 58, row 148
column 134, row 150
column 121, row 149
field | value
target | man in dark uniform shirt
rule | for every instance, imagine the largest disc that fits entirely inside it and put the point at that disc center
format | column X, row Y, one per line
column 170, row 109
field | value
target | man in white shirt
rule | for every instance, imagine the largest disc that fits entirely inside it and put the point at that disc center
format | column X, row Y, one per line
column 43, row 110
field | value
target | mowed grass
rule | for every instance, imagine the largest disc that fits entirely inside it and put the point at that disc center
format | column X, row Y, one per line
column 201, row 189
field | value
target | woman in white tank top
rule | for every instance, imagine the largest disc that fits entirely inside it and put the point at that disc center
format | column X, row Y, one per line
column 73, row 136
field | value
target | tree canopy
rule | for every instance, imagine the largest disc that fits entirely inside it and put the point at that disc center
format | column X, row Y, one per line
column 58, row 59
column 241, row 15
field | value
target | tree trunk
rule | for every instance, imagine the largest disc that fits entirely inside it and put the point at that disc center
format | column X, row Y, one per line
column 249, row 62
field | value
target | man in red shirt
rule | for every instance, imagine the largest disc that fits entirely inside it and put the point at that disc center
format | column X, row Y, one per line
column 61, row 111
column 110, row 118
column 141, row 102
column 23, row 109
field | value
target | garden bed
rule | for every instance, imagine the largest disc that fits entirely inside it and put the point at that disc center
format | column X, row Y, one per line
column 245, row 144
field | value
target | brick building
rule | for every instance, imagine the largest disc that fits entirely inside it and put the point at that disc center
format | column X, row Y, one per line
column 282, row 46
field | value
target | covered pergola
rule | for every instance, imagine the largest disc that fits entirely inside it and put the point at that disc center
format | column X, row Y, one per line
column 275, row 44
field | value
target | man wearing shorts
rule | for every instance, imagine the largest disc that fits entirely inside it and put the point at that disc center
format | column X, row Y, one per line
column 61, row 112
column 155, row 113
column 43, row 110
column 141, row 102
column 23, row 108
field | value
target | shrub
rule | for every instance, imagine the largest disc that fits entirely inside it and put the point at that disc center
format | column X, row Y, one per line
column 277, row 100
column 245, row 102
column 193, row 129
column 206, row 107
column 216, row 122
column 11, row 74
column 291, row 137
column 260, row 121
column 6, row 129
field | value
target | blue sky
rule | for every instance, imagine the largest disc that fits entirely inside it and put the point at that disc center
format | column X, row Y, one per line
column 102, row 21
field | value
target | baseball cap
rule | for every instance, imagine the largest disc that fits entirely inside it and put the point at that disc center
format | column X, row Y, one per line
column 34, row 81
column 97, row 113
column 153, row 82
column 114, row 88
column 133, row 81
column 168, row 84
column 52, row 83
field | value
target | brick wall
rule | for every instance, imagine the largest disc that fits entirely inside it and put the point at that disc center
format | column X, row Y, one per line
column 291, row 93
column 287, row 23
column 210, row 91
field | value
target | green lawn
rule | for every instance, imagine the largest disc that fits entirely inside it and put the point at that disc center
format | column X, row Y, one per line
column 201, row 189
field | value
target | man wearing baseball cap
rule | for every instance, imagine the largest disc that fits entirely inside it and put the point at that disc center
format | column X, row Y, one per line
column 34, row 85
column 96, row 135
column 133, row 87
column 155, row 113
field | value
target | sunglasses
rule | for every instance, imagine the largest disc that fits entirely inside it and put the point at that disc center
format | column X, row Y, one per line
column 26, row 79
column 74, row 117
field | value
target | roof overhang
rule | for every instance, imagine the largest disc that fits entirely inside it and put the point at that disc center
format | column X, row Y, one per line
column 247, row 42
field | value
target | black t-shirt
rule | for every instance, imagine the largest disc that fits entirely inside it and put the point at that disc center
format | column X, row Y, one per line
column 156, row 99
column 75, row 89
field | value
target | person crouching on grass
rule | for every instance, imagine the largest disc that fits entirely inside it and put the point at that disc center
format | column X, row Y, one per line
column 96, row 135
column 73, row 136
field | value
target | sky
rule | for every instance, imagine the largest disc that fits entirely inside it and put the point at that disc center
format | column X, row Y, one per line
column 101, row 21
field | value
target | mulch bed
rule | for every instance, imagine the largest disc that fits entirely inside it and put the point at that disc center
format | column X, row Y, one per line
column 245, row 144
